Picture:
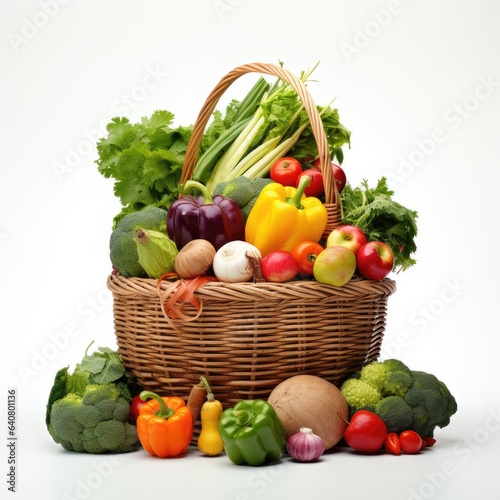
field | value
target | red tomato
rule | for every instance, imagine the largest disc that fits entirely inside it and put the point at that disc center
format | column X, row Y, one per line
column 366, row 432
column 316, row 187
column 305, row 254
column 392, row 443
column 285, row 171
column 411, row 442
column 135, row 407
column 429, row 441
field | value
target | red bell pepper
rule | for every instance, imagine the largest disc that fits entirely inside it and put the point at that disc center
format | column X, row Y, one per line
column 216, row 219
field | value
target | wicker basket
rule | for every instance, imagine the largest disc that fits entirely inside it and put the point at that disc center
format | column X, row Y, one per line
column 250, row 336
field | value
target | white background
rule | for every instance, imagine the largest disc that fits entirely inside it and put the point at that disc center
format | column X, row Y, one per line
column 417, row 82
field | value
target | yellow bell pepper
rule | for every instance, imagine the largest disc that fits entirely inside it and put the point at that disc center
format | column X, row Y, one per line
column 283, row 217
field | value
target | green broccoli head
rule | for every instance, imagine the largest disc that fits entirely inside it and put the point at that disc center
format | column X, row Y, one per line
column 239, row 189
column 96, row 422
column 243, row 190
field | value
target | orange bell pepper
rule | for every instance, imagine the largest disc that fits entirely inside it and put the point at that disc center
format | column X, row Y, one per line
column 164, row 426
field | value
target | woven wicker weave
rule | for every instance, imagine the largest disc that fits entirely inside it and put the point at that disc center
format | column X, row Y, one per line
column 251, row 336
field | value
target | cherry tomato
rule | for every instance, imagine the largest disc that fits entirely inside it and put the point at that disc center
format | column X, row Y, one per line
column 429, row 441
column 316, row 187
column 135, row 407
column 392, row 443
column 411, row 442
column 338, row 174
column 305, row 254
column 285, row 171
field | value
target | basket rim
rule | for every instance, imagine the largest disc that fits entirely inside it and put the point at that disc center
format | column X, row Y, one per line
column 264, row 291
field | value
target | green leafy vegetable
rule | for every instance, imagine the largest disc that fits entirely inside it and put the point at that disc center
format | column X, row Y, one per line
column 103, row 365
column 336, row 134
column 381, row 218
column 145, row 159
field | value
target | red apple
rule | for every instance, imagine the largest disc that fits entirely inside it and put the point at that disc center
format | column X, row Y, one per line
column 348, row 236
column 338, row 174
column 279, row 266
column 375, row 260
column 334, row 265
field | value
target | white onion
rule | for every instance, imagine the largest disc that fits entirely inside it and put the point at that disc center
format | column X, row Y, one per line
column 231, row 264
column 305, row 446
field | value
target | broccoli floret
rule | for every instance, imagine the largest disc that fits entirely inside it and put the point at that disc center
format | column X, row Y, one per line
column 359, row 394
column 96, row 422
column 121, row 412
column 395, row 365
column 408, row 399
column 395, row 412
column 94, row 393
column 243, row 191
column 391, row 377
column 374, row 375
column 106, row 407
column 238, row 189
column 110, row 435
column 397, row 383
column 63, row 427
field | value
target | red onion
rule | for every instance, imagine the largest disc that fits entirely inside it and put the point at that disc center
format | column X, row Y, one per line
column 305, row 446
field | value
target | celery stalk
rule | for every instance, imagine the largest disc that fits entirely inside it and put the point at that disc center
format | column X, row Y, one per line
column 251, row 102
column 247, row 108
column 253, row 157
column 208, row 160
column 262, row 167
column 266, row 148
column 235, row 152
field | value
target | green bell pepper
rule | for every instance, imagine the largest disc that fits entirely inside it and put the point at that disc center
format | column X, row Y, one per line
column 252, row 433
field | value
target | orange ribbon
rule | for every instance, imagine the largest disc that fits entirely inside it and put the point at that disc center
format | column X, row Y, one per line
column 173, row 306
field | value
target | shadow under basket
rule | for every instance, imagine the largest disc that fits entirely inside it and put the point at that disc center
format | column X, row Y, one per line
column 249, row 337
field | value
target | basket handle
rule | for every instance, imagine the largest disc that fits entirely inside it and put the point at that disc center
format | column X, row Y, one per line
column 330, row 188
